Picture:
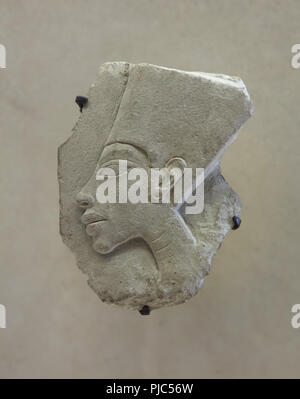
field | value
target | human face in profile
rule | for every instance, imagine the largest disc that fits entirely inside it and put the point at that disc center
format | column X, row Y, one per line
column 112, row 224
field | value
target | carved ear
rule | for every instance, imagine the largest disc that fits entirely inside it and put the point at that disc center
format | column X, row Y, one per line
column 176, row 162
column 170, row 175
column 176, row 168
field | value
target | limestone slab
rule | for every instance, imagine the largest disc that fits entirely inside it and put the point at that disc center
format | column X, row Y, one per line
column 150, row 255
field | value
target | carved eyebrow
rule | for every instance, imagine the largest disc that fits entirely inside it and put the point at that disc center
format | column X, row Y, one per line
column 128, row 143
column 115, row 161
column 131, row 151
column 117, row 155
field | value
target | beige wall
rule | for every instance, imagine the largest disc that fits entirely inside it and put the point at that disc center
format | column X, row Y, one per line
column 239, row 325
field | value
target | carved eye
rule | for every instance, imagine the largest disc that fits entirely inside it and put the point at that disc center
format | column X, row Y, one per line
column 83, row 204
column 112, row 168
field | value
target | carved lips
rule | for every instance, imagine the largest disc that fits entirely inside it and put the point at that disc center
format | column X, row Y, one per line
column 92, row 222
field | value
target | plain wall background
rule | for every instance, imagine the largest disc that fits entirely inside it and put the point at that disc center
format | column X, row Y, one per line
column 239, row 325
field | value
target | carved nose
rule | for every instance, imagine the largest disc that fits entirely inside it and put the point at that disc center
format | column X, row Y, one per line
column 84, row 200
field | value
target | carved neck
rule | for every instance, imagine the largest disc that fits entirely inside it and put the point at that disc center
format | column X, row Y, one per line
column 174, row 249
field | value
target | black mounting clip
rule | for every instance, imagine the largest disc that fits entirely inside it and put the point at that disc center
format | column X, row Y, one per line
column 81, row 101
column 145, row 311
column 236, row 222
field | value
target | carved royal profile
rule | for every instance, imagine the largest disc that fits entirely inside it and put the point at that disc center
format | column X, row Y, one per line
column 149, row 254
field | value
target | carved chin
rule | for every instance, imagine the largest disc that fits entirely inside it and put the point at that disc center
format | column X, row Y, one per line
column 103, row 248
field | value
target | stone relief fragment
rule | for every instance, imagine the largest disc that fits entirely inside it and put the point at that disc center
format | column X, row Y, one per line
column 150, row 254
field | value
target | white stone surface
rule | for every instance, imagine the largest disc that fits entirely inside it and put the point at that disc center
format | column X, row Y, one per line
column 150, row 254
